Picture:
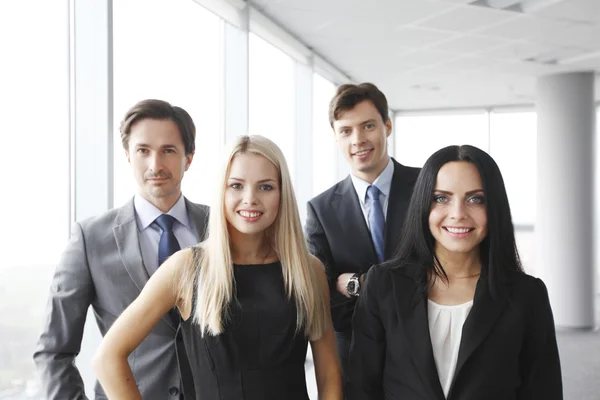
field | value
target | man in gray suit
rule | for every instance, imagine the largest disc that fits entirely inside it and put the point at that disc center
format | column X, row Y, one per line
column 110, row 257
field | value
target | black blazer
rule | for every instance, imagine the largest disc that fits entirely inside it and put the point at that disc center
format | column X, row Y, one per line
column 338, row 235
column 508, row 348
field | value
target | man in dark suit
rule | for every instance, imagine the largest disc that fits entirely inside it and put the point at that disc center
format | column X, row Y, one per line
column 357, row 222
column 110, row 257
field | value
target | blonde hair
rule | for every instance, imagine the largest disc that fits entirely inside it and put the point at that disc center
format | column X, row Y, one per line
column 210, row 271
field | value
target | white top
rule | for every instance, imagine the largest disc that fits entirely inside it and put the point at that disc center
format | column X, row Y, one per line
column 445, row 329
column 383, row 183
column 149, row 232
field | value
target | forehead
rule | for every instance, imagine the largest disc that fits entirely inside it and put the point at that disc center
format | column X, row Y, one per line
column 458, row 176
column 361, row 112
column 155, row 132
column 251, row 166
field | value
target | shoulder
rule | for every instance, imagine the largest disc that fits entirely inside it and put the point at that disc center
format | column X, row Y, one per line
column 325, row 197
column 409, row 174
column 104, row 220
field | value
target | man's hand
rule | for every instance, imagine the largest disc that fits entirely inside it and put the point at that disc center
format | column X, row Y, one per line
column 342, row 282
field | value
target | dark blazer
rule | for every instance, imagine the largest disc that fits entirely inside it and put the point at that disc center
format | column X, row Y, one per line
column 103, row 267
column 338, row 235
column 508, row 348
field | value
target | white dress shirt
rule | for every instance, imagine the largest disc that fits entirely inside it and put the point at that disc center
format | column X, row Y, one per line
column 149, row 232
column 383, row 183
column 445, row 329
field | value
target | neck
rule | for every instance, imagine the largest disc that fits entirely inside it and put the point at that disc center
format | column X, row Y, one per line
column 459, row 265
column 249, row 249
column 371, row 175
column 164, row 204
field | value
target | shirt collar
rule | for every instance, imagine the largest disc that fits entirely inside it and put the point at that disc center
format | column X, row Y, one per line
column 147, row 212
column 383, row 182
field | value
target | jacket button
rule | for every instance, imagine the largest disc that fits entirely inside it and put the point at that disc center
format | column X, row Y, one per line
column 173, row 391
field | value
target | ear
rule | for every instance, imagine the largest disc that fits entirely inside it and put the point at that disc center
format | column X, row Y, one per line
column 388, row 127
column 188, row 160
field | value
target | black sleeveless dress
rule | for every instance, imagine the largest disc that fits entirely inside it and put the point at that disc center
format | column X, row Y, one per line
column 259, row 356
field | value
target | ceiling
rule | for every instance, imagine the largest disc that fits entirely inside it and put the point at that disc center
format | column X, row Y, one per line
column 433, row 54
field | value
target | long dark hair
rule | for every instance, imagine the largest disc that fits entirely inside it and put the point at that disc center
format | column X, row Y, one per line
column 498, row 250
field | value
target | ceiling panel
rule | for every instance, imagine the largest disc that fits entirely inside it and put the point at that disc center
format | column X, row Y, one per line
column 465, row 19
column 572, row 10
column 470, row 44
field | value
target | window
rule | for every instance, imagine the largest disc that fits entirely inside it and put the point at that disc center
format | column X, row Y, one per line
column 35, row 102
column 418, row 137
column 325, row 152
column 179, row 63
column 513, row 145
column 271, row 96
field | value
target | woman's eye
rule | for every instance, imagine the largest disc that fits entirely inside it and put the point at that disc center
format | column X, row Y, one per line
column 266, row 187
column 236, row 186
column 477, row 200
column 440, row 198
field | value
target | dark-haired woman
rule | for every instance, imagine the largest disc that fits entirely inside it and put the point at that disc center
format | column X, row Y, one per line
column 453, row 316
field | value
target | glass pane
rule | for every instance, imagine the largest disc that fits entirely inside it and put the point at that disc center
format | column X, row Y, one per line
column 418, row 137
column 506, row 130
column 271, row 96
column 179, row 63
column 34, row 98
column 325, row 151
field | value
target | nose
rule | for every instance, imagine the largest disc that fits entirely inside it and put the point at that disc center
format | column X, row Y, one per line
column 358, row 137
column 249, row 196
column 155, row 163
column 457, row 211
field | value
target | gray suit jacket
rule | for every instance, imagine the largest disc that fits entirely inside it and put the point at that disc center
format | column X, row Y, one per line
column 102, row 266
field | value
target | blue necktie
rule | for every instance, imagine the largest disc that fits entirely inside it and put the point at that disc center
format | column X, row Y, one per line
column 376, row 221
column 168, row 243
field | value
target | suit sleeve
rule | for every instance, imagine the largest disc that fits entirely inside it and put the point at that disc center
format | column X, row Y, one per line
column 71, row 294
column 540, row 364
column 341, row 306
column 367, row 350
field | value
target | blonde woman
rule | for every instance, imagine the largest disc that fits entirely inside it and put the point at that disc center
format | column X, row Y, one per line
column 250, row 296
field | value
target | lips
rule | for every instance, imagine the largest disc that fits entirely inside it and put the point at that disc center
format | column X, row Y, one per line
column 250, row 214
column 457, row 230
column 362, row 152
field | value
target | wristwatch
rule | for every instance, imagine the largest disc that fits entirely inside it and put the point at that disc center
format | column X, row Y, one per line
column 353, row 285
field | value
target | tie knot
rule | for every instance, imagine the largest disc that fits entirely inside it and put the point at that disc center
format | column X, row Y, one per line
column 165, row 222
column 373, row 192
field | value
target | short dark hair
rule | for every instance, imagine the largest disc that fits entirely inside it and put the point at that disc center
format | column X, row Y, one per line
column 347, row 96
column 498, row 250
column 160, row 110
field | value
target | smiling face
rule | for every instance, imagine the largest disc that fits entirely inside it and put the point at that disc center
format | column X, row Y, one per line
column 458, row 218
column 361, row 134
column 252, row 194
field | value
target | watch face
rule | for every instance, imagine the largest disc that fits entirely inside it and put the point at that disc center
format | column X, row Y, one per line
column 351, row 288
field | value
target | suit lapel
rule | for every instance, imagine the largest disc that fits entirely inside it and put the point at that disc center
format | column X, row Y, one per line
column 409, row 291
column 482, row 318
column 400, row 193
column 128, row 243
column 352, row 221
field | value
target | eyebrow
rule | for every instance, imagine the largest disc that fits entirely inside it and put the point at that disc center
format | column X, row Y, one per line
column 467, row 193
column 165, row 146
column 260, row 181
